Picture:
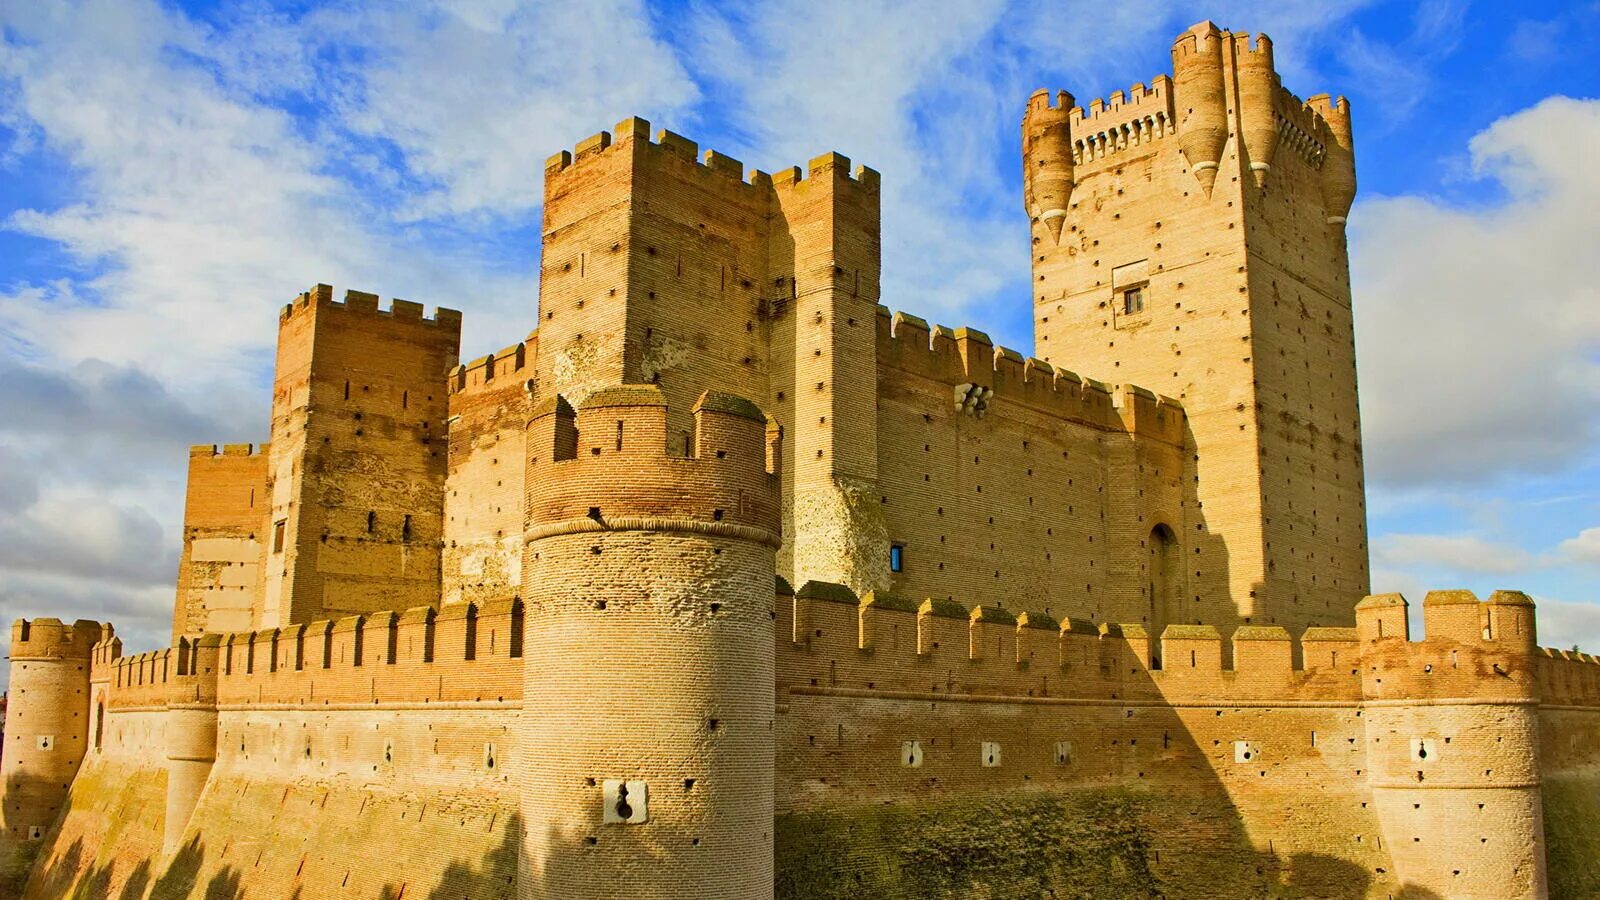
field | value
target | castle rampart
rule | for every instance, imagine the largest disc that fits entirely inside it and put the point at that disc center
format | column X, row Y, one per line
column 1285, row 718
column 1075, row 623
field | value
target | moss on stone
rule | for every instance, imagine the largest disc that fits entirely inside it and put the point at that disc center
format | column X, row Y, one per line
column 942, row 609
column 992, row 614
column 1261, row 633
column 1039, row 621
column 1088, row 844
column 886, row 600
column 1572, row 842
column 732, row 404
column 827, row 591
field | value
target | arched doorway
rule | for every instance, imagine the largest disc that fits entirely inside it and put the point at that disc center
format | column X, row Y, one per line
column 1166, row 580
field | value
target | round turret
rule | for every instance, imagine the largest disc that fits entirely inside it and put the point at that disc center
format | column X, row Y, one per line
column 1339, row 163
column 1202, row 110
column 1452, row 726
column 191, row 733
column 647, row 744
column 1047, row 159
column 1258, row 97
column 46, row 733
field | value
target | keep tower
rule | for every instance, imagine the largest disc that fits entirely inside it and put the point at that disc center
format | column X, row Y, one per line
column 670, row 265
column 356, row 468
column 646, row 746
column 1188, row 236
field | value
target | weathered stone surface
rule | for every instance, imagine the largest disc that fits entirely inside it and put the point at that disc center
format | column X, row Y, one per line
column 504, row 628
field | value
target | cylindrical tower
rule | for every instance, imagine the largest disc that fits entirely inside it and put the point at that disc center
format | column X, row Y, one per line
column 1339, row 162
column 1258, row 100
column 646, row 751
column 46, row 734
column 1202, row 108
column 1047, row 160
column 191, row 733
column 1452, row 744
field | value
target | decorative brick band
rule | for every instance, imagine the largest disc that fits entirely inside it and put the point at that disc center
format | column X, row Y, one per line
column 654, row 523
column 1453, row 701
column 1123, row 703
column 1455, row 785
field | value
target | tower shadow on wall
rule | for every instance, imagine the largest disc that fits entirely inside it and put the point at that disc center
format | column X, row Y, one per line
column 68, row 878
column 17, row 856
column 494, row 876
column 1145, row 806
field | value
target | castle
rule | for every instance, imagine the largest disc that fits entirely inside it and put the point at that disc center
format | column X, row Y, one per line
column 727, row 582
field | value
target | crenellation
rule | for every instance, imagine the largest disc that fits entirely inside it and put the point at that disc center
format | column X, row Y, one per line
column 363, row 303
column 1121, row 122
column 535, row 611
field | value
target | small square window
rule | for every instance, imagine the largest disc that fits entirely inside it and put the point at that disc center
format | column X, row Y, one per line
column 1133, row 301
column 897, row 558
column 277, row 535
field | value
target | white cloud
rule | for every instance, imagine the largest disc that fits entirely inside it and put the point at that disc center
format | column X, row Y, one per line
column 1564, row 624
column 1477, row 327
column 1464, row 553
column 1583, row 547
column 476, row 95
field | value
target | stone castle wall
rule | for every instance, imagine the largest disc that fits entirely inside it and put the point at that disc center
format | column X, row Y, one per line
column 491, row 400
column 224, row 524
column 584, row 691
column 893, row 766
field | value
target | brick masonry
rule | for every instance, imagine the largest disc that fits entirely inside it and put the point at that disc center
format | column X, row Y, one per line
column 729, row 581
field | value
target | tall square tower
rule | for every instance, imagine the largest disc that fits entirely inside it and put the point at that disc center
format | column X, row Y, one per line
column 1188, row 236
column 356, row 468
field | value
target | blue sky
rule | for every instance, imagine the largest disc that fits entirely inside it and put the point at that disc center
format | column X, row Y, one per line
column 171, row 172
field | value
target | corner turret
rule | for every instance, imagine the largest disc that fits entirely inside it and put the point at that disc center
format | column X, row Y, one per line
column 1047, row 160
column 46, row 735
column 1202, row 109
column 647, row 723
column 1258, row 99
column 1452, row 726
column 1339, row 163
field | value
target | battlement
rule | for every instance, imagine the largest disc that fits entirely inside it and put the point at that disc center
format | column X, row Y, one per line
column 204, row 451
column 515, row 361
column 1043, row 102
column 608, row 466
column 635, row 133
column 1470, row 647
column 1260, row 49
column 1568, row 677
column 320, row 297
column 1200, row 38
column 884, row 643
column 104, row 655
column 1122, row 121
column 834, row 165
column 981, row 374
column 462, row 653
column 47, row 638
